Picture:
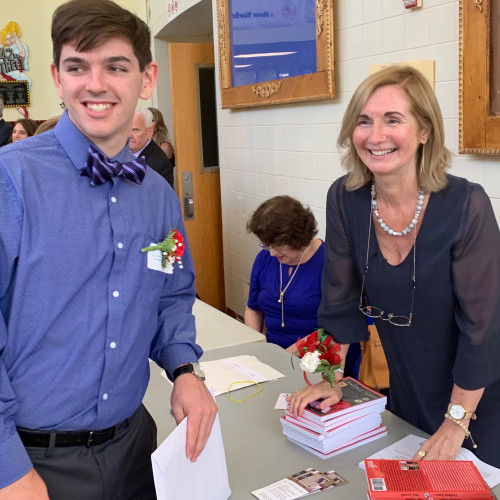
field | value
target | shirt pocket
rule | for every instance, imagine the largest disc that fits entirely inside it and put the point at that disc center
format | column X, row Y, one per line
column 153, row 280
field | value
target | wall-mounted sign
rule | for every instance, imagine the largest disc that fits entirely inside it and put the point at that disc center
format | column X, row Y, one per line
column 14, row 56
column 14, row 94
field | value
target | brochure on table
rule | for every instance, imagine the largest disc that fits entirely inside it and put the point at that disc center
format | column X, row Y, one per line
column 300, row 484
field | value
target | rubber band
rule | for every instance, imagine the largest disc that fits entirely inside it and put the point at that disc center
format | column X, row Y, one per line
column 247, row 397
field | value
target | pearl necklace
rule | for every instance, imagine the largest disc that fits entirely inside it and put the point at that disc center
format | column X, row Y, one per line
column 282, row 292
column 411, row 225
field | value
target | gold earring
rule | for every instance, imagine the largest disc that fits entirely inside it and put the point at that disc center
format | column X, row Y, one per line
column 422, row 160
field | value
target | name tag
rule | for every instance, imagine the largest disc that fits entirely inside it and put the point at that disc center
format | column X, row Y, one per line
column 154, row 261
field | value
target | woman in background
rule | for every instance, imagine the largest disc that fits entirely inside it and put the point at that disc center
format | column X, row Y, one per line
column 24, row 127
column 160, row 134
column 48, row 124
column 285, row 287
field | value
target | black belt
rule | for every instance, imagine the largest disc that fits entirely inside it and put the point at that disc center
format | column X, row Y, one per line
column 68, row 438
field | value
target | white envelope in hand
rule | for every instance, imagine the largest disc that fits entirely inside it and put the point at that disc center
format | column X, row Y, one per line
column 177, row 477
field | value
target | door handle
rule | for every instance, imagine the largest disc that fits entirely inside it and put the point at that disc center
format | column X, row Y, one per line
column 188, row 207
column 187, row 195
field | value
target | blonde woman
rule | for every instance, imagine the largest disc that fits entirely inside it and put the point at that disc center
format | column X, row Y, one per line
column 418, row 250
column 160, row 134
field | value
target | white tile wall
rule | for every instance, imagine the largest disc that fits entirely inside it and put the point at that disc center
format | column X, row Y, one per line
column 291, row 149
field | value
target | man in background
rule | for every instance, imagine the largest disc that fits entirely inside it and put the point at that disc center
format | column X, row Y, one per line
column 142, row 144
column 81, row 307
column 5, row 128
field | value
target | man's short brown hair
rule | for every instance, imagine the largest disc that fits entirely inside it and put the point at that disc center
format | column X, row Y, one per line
column 87, row 24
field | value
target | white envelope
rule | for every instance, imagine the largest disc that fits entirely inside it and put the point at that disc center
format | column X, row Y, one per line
column 177, row 477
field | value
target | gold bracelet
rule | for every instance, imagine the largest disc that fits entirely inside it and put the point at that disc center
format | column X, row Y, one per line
column 465, row 429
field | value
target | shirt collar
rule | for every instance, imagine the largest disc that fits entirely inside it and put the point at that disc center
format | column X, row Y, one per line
column 141, row 150
column 76, row 144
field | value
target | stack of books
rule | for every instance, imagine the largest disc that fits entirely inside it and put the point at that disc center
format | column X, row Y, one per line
column 354, row 421
column 425, row 480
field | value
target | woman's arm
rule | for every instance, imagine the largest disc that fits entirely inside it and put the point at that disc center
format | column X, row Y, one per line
column 254, row 319
column 168, row 149
column 445, row 443
column 476, row 289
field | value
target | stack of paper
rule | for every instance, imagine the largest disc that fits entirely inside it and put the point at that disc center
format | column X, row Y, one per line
column 354, row 421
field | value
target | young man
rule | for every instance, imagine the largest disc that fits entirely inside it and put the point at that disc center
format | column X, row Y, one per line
column 81, row 307
column 142, row 145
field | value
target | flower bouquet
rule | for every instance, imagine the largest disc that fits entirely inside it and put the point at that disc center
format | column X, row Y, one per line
column 172, row 249
column 319, row 353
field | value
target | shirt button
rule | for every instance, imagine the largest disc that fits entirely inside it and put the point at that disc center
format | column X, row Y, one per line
column 105, row 396
column 120, row 245
column 116, row 294
column 113, row 199
column 112, row 345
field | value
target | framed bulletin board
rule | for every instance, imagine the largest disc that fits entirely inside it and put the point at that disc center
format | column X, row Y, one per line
column 479, row 93
column 275, row 51
column 15, row 93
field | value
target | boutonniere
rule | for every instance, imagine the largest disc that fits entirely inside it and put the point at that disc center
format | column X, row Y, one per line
column 171, row 248
column 319, row 353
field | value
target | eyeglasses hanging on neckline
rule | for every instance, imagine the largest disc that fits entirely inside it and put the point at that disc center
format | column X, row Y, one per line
column 376, row 312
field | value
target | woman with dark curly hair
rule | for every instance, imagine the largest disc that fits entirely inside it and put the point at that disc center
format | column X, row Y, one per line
column 286, row 275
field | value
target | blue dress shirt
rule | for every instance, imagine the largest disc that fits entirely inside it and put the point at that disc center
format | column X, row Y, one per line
column 80, row 311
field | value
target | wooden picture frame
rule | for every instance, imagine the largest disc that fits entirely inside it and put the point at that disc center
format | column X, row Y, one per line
column 313, row 86
column 479, row 129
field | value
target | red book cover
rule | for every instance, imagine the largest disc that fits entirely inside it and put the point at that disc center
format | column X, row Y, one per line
column 425, row 480
column 354, row 395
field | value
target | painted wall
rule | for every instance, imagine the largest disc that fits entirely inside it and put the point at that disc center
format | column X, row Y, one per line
column 34, row 18
column 290, row 149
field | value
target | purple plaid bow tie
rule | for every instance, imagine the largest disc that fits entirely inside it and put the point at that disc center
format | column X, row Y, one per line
column 100, row 168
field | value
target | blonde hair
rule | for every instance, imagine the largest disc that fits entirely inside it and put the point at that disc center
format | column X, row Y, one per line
column 10, row 28
column 160, row 135
column 48, row 124
column 433, row 159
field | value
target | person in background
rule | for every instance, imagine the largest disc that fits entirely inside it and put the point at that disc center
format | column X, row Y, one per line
column 81, row 311
column 5, row 128
column 160, row 134
column 417, row 250
column 285, row 282
column 48, row 124
column 24, row 127
column 142, row 144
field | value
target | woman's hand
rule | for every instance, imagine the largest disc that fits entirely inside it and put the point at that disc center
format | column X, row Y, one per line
column 323, row 390
column 444, row 444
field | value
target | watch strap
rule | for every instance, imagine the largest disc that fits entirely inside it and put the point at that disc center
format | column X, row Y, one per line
column 181, row 370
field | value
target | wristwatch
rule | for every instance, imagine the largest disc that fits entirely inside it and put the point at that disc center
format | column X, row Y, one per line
column 193, row 368
column 458, row 412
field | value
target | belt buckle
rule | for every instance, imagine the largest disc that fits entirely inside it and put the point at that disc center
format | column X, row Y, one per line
column 88, row 444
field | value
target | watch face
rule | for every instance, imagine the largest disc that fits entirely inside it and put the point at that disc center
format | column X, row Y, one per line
column 457, row 411
column 198, row 371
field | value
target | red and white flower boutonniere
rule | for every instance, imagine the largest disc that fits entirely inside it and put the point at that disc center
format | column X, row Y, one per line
column 171, row 248
column 319, row 353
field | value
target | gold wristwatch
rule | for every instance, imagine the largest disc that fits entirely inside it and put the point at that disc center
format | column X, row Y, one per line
column 458, row 412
